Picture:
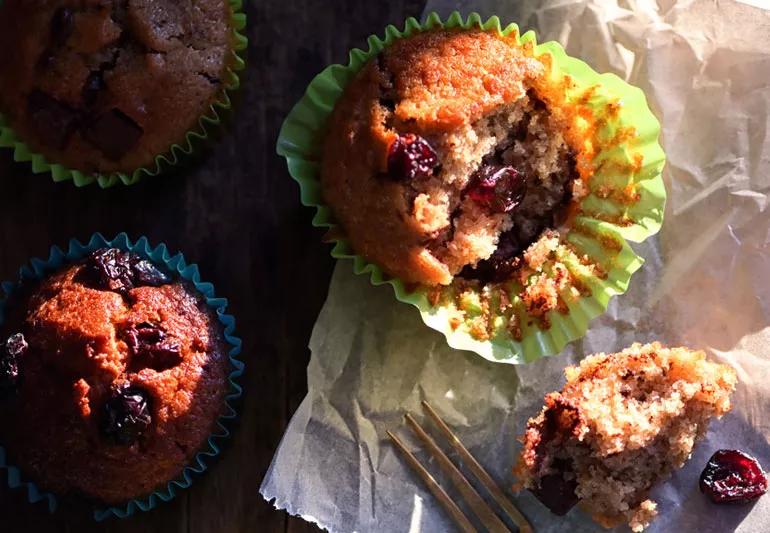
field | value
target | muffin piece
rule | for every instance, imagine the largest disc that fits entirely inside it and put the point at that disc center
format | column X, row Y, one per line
column 621, row 423
column 445, row 157
column 108, row 85
column 121, row 381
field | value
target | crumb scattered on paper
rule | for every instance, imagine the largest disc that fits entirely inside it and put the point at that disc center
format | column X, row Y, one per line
column 705, row 68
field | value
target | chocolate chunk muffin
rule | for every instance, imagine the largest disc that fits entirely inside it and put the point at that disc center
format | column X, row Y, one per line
column 105, row 86
column 112, row 376
column 622, row 423
column 448, row 156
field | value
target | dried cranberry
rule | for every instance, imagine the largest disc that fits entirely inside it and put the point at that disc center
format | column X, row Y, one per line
column 126, row 415
column 145, row 273
column 110, row 269
column 501, row 265
column 10, row 352
column 555, row 492
column 732, row 476
column 411, row 157
column 500, row 188
column 150, row 344
column 119, row 271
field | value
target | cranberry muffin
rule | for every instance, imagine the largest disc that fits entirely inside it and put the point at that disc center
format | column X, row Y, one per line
column 113, row 376
column 447, row 156
column 621, row 423
column 105, row 86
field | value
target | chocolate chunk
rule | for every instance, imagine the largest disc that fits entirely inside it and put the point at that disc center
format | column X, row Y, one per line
column 113, row 133
column 213, row 80
column 92, row 87
column 52, row 121
column 555, row 492
column 62, row 26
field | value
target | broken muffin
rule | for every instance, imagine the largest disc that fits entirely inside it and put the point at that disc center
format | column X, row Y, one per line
column 442, row 159
column 622, row 423
column 491, row 180
column 106, row 86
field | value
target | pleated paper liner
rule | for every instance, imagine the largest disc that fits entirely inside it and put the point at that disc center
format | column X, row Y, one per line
column 39, row 269
column 177, row 154
column 626, row 199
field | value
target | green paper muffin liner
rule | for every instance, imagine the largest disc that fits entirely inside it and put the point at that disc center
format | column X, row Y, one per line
column 636, row 160
column 39, row 268
column 175, row 155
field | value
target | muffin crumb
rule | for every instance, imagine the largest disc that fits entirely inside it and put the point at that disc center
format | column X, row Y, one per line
column 622, row 423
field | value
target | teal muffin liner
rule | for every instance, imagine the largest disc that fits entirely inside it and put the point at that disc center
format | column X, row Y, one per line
column 627, row 164
column 39, row 268
column 175, row 155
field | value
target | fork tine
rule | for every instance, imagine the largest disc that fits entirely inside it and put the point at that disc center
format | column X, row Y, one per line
column 481, row 474
column 476, row 503
column 460, row 519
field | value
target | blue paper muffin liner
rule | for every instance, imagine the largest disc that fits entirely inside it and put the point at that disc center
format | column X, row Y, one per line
column 39, row 268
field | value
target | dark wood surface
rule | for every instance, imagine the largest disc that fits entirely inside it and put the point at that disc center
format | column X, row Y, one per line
column 236, row 213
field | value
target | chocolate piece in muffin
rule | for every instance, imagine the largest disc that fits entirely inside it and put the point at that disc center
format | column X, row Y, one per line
column 108, row 85
column 122, row 378
column 621, row 423
column 446, row 157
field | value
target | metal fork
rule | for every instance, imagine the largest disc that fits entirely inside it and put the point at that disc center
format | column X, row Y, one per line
column 477, row 504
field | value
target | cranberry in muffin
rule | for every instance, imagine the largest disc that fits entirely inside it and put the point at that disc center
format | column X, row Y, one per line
column 445, row 159
column 119, row 381
column 622, row 423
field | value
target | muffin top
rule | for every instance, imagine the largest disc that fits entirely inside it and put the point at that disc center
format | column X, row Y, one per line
column 118, row 374
column 108, row 85
column 442, row 152
column 621, row 423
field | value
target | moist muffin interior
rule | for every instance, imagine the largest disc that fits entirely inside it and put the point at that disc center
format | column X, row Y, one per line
column 108, row 85
column 471, row 101
column 471, row 241
column 622, row 423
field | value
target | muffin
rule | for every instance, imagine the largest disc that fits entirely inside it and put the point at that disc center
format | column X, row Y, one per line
column 490, row 180
column 443, row 158
column 451, row 159
column 621, row 423
column 106, row 86
column 113, row 377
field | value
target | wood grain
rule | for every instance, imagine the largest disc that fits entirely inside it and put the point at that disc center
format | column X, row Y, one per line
column 236, row 213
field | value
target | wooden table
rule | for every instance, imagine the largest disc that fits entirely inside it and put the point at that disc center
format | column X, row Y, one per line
column 236, row 214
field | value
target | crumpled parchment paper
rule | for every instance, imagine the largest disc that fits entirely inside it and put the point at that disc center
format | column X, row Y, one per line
column 705, row 67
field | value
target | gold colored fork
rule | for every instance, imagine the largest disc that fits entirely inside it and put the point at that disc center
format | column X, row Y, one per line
column 480, row 508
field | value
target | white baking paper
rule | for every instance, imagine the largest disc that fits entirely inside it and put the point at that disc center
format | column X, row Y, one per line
column 705, row 67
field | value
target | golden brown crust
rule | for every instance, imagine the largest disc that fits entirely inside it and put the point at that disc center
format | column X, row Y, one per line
column 445, row 79
column 78, row 356
column 438, row 82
